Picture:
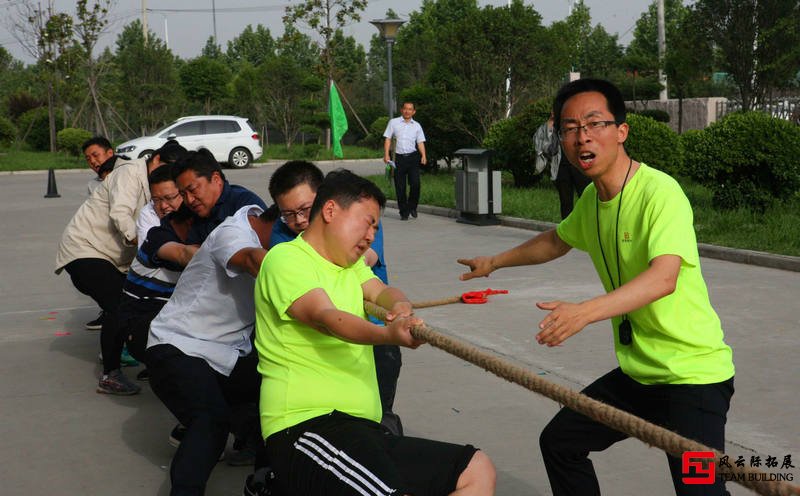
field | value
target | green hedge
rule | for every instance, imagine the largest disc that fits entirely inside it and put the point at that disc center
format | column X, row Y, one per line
column 71, row 139
column 748, row 159
column 8, row 132
column 35, row 123
column 654, row 143
column 511, row 141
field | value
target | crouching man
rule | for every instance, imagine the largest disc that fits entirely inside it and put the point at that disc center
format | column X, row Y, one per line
column 320, row 406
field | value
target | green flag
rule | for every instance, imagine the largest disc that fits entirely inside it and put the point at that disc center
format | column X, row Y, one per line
column 338, row 120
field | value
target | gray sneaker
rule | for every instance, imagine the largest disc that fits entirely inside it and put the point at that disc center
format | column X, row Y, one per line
column 115, row 382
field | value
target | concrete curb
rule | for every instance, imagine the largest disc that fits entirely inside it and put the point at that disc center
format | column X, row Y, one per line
column 749, row 257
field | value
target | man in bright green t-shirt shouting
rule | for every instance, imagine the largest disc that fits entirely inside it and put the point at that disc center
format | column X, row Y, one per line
column 320, row 406
column 636, row 224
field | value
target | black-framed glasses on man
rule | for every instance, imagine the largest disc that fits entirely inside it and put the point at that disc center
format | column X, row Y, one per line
column 290, row 215
column 590, row 128
column 165, row 198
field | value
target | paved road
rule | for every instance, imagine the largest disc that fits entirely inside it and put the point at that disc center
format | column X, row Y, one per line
column 60, row 437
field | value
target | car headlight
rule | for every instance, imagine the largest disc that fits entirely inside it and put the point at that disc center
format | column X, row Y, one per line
column 126, row 149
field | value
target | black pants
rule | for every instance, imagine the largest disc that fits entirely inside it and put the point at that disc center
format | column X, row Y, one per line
column 569, row 182
column 407, row 170
column 388, row 361
column 202, row 399
column 101, row 280
column 135, row 316
column 698, row 412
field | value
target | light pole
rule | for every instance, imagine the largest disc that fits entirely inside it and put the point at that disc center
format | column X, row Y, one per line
column 388, row 29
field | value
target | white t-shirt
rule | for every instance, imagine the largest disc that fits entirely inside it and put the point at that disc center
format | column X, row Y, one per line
column 212, row 312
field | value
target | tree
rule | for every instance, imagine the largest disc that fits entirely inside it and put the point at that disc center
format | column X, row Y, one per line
column 325, row 17
column 146, row 80
column 688, row 59
column 759, row 41
column 418, row 38
column 205, row 80
column 591, row 51
column 283, row 91
column 45, row 34
column 474, row 57
column 211, row 49
column 253, row 46
column 92, row 21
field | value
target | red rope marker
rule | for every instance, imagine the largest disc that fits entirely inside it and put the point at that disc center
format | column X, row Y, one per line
column 479, row 297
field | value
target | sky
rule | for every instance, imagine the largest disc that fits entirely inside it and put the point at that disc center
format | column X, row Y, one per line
column 188, row 31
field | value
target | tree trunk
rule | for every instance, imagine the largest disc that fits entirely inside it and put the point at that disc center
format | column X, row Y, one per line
column 51, row 115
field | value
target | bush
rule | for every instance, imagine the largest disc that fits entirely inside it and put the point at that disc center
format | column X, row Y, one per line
column 753, row 159
column 654, row 143
column 7, row 131
column 71, row 139
column 375, row 137
column 656, row 114
column 695, row 144
column 34, row 128
column 511, row 140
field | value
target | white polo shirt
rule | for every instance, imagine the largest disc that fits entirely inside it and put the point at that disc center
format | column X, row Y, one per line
column 407, row 133
column 212, row 312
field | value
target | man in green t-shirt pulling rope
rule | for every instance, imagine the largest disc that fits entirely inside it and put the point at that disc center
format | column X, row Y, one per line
column 636, row 224
column 320, row 406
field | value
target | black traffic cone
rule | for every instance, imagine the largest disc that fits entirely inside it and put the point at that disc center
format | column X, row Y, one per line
column 52, row 189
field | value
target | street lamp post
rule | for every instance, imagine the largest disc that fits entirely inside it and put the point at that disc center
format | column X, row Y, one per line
column 388, row 30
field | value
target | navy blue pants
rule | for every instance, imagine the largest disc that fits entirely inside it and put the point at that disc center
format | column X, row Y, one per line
column 698, row 412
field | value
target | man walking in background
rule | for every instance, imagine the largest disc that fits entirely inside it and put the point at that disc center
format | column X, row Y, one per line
column 409, row 155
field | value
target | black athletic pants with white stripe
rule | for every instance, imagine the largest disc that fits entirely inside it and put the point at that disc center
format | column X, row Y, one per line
column 698, row 412
column 341, row 455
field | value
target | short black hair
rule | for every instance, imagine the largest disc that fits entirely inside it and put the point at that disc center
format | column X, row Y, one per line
column 170, row 152
column 614, row 100
column 346, row 188
column 99, row 141
column 201, row 162
column 271, row 214
column 160, row 175
column 293, row 174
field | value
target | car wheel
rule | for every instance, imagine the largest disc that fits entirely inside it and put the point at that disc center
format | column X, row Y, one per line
column 146, row 154
column 240, row 158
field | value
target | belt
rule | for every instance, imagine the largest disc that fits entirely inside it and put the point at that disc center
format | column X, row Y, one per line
column 405, row 154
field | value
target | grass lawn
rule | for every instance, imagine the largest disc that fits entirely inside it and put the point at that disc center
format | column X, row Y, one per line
column 17, row 160
column 776, row 231
column 12, row 159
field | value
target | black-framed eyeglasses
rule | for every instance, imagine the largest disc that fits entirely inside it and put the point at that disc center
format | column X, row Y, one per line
column 165, row 199
column 289, row 215
column 590, row 128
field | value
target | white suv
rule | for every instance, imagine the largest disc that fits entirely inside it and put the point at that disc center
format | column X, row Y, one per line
column 231, row 139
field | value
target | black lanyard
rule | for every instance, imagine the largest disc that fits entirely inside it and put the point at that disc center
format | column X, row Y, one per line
column 625, row 331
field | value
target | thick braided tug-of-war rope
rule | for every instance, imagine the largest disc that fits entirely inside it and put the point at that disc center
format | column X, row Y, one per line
column 613, row 417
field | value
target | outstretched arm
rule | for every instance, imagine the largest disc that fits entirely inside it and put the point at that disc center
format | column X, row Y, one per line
column 566, row 319
column 539, row 249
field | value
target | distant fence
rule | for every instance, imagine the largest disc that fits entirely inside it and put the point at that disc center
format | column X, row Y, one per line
column 698, row 113
column 787, row 108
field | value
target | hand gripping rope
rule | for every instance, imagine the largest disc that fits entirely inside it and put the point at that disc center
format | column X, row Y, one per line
column 615, row 418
